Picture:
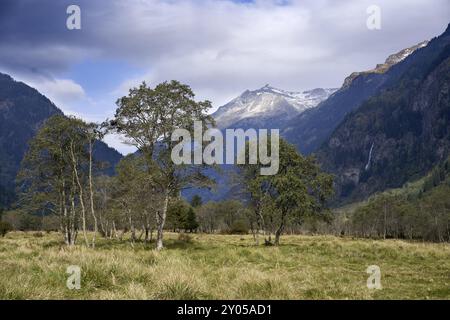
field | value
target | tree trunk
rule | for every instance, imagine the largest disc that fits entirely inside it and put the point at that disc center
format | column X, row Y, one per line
column 142, row 233
column 160, row 220
column 277, row 237
column 80, row 191
column 72, row 220
column 147, row 230
column 261, row 225
column 104, row 223
column 104, row 227
column 65, row 215
column 92, row 194
column 255, row 233
column 280, row 229
column 132, row 230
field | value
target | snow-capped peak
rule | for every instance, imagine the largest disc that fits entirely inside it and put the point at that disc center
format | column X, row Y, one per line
column 401, row 55
column 269, row 102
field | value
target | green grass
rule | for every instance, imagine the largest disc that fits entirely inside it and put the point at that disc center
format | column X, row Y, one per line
column 224, row 267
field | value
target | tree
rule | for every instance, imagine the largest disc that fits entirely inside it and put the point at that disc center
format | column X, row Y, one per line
column 54, row 173
column 196, row 201
column 221, row 216
column 108, row 217
column 46, row 177
column 177, row 214
column 135, row 194
column 191, row 223
column 229, row 212
column 208, row 217
column 297, row 189
column 239, row 227
column 92, row 134
column 5, row 227
column 147, row 118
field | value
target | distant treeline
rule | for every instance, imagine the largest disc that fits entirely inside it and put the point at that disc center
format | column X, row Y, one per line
column 421, row 213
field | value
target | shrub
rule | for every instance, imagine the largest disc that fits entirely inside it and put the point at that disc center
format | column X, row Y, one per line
column 185, row 237
column 22, row 221
column 239, row 227
column 5, row 227
column 50, row 223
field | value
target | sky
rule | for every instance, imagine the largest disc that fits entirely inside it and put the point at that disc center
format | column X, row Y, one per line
column 218, row 47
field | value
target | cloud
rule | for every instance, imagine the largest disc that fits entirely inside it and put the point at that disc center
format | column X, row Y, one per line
column 118, row 142
column 62, row 89
column 64, row 93
column 219, row 47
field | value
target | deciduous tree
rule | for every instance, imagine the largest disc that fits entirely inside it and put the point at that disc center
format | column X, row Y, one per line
column 147, row 118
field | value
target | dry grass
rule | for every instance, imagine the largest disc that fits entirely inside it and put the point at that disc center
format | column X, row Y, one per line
column 223, row 267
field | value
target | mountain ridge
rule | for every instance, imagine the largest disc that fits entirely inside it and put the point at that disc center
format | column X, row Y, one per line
column 267, row 107
column 389, row 62
column 23, row 110
column 399, row 133
column 309, row 130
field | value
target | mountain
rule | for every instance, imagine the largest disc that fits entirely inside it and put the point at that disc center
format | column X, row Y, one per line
column 308, row 130
column 390, row 61
column 267, row 107
column 400, row 132
column 309, row 118
column 22, row 111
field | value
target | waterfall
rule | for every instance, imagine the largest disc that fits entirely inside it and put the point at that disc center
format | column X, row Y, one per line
column 370, row 157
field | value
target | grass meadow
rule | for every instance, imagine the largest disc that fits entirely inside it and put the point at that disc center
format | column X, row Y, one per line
column 34, row 265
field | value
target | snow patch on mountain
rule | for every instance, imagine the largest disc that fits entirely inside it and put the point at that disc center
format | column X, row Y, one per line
column 269, row 103
column 393, row 59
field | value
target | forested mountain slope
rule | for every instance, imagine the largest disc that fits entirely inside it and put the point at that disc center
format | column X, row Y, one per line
column 398, row 134
column 309, row 130
column 22, row 111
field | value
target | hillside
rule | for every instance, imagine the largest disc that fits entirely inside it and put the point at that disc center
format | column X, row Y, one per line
column 310, row 129
column 398, row 134
column 22, row 111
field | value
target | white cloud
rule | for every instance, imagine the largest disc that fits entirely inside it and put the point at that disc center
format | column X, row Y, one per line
column 62, row 90
column 117, row 142
column 219, row 47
